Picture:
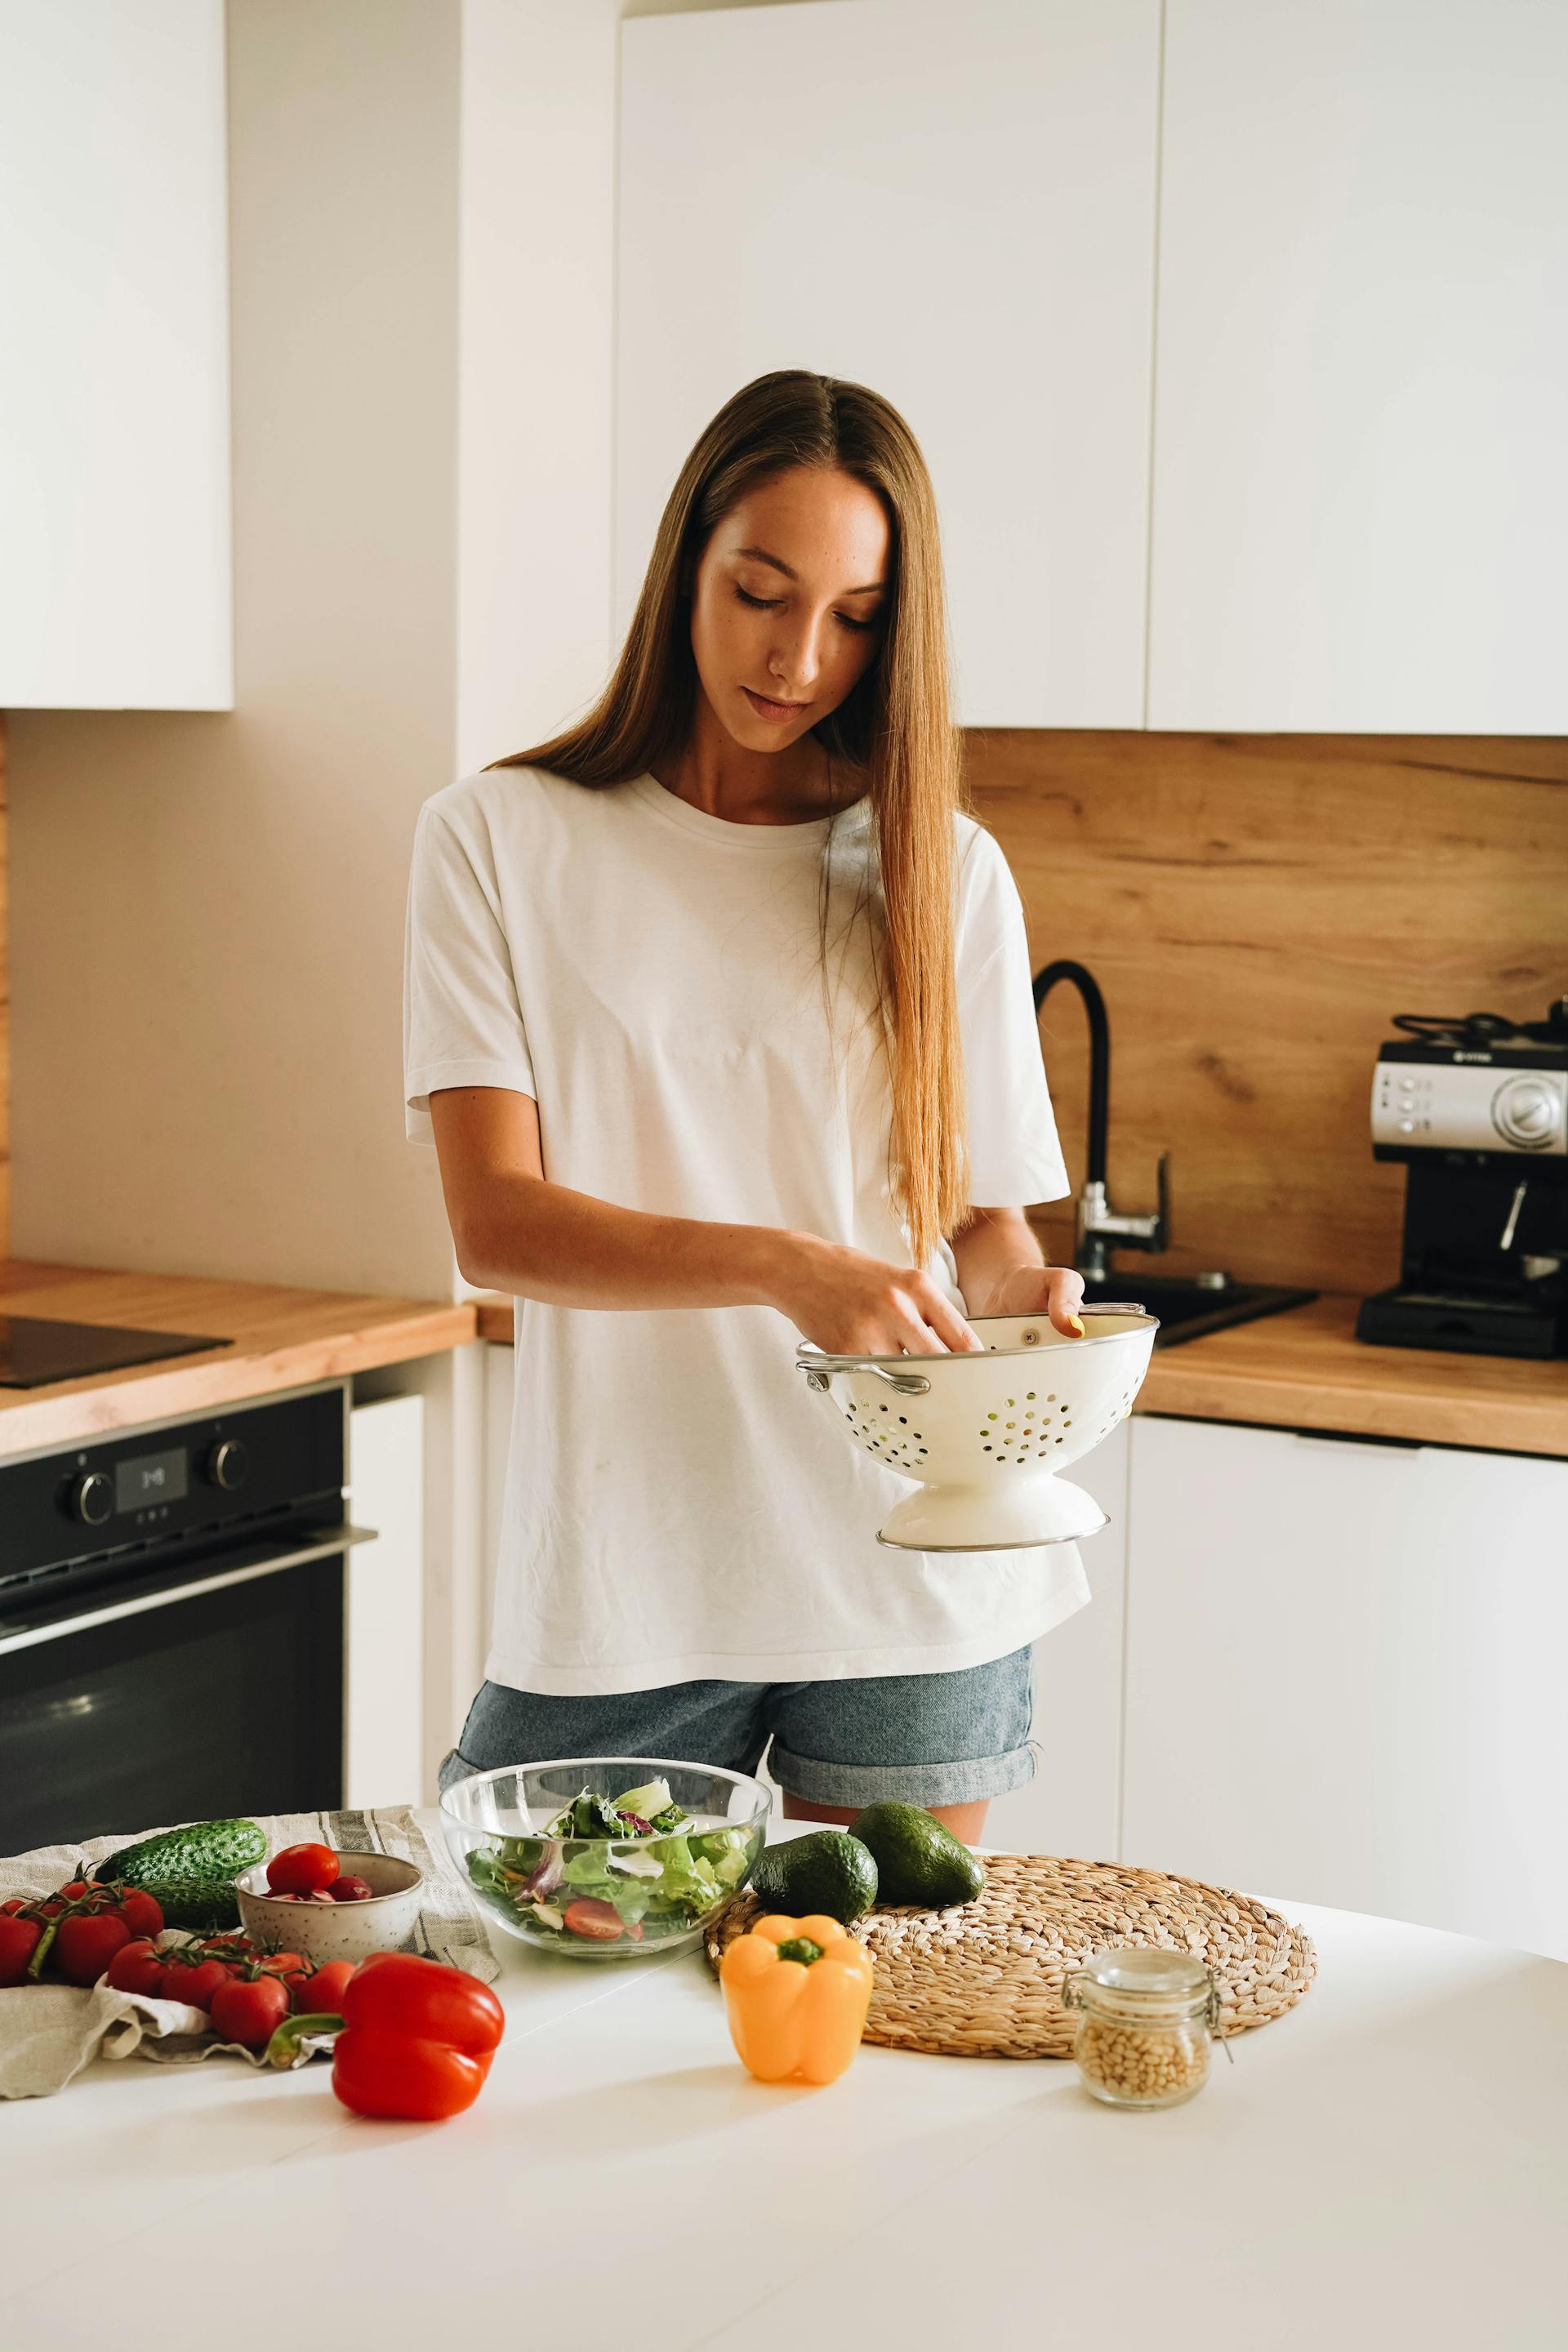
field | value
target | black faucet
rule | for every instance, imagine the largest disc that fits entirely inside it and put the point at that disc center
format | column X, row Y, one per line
column 1098, row 1229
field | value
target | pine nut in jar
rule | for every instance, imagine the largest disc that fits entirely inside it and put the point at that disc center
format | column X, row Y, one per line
column 1145, row 2019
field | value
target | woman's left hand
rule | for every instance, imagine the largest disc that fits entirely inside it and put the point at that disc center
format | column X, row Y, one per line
column 1053, row 1290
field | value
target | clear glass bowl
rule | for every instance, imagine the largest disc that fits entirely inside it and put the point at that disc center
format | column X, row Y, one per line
column 603, row 1898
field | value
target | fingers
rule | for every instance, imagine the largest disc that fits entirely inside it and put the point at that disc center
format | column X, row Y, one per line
column 945, row 1318
column 1063, row 1298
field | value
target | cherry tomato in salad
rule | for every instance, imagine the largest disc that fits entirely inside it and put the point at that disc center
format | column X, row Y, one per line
column 587, row 1916
column 350, row 1889
column 301, row 1869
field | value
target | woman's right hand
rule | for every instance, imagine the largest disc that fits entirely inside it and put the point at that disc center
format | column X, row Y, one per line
column 851, row 1304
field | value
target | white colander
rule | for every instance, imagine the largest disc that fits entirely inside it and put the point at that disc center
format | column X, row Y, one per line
column 986, row 1434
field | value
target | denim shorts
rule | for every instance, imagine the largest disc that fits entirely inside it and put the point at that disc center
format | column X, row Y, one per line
column 925, row 1740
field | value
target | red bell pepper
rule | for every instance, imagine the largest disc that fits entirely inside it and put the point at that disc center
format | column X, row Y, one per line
column 416, row 2041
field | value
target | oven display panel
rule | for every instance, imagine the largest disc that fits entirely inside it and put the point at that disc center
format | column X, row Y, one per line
column 151, row 1479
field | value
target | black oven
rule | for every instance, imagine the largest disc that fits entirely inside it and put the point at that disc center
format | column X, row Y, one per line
column 171, row 1623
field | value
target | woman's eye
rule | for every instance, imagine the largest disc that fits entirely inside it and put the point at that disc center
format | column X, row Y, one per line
column 771, row 604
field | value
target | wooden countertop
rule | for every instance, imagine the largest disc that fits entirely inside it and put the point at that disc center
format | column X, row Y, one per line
column 283, row 1340
column 1306, row 1369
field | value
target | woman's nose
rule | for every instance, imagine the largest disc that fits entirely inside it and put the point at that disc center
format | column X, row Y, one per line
column 798, row 659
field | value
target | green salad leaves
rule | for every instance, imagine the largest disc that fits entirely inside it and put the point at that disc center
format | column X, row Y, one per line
column 637, row 1865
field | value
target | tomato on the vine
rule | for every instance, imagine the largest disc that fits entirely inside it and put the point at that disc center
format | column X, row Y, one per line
column 18, row 1941
column 86, row 1943
column 194, row 1981
column 246, row 2008
column 323, row 1993
column 138, row 1967
column 141, row 1912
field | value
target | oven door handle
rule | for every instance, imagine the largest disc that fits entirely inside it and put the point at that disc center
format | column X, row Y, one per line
column 324, row 1544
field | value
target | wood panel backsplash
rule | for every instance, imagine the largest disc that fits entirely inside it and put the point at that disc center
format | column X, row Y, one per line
column 1256, row 908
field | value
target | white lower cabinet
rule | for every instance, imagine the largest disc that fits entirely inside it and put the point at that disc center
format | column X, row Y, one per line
column 383, row 1605
column 1070, row 1806
column 498, row 1360
column 1344, row 1667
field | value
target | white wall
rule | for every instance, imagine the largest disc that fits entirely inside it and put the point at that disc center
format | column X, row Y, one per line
column 537, row 317
column 207, row 911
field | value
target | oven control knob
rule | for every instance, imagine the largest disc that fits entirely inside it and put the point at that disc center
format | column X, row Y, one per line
column 227, row 1463
column 91, row 1498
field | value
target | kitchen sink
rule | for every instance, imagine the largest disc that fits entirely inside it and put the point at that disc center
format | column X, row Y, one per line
column 1187, row 1308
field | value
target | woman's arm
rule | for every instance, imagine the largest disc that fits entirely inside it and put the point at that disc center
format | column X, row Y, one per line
column 515, row 1231
column 1002, row 1270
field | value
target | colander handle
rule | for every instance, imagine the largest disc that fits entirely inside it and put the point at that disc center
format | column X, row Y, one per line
column 819, row 1375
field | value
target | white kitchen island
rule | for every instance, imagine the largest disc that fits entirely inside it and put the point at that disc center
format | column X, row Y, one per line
column 1386, row 2166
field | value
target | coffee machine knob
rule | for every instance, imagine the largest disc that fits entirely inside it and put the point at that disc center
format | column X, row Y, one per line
column 1526, row 1111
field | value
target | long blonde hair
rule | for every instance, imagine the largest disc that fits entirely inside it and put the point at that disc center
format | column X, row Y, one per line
column 895, row 726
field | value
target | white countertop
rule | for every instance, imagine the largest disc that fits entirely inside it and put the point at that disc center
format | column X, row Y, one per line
column 1386, row 2166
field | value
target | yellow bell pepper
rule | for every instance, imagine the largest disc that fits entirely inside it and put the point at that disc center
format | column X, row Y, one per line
column 796, row 1992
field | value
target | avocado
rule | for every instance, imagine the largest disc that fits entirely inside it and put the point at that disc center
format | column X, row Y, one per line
column 829, row 1871
column 918, row 1861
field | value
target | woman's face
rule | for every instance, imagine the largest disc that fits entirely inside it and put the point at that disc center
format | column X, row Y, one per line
column 786, row 611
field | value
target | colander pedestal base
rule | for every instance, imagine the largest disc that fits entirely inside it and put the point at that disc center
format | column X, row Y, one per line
column 1046, row 1509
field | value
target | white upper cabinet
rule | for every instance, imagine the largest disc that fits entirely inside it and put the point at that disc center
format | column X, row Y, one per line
column 955, row 206
column 114, row 445
column 1361, row 466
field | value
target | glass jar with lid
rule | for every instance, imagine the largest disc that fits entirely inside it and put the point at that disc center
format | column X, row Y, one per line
column 1145, row 2022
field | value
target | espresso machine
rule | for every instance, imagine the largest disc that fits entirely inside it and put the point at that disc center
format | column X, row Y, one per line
column 1477, row 1108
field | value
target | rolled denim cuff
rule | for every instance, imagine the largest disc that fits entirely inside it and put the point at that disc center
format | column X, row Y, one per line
column 967, row 1781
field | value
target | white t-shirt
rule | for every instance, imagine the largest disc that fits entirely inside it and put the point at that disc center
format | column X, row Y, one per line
column 678, row 1505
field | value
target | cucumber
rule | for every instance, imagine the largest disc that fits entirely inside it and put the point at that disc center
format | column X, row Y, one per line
column 189, row 1872
column 203, row 1904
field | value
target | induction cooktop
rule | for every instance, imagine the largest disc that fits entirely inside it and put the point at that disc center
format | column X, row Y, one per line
column 35, row 1349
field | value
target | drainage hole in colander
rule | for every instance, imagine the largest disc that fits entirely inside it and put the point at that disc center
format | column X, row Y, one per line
column 1051, row 1396
column 1028, row 1396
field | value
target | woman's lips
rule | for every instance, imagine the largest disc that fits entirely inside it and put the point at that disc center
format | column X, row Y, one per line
column 777, row 711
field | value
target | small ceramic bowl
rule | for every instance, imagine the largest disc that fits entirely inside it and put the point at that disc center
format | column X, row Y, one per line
column 336, row 1931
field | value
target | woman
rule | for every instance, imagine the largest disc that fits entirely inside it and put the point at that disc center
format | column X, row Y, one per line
column 695, row 991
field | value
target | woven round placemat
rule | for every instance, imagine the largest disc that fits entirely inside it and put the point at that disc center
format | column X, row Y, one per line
column 984, row 1980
